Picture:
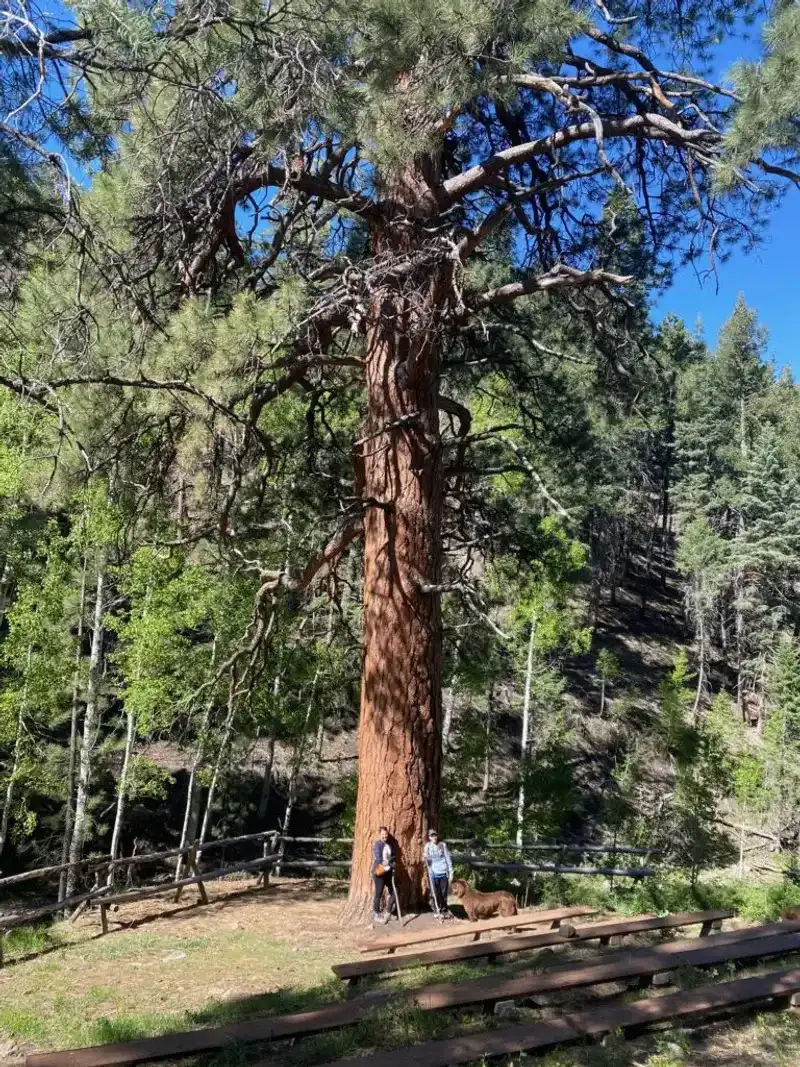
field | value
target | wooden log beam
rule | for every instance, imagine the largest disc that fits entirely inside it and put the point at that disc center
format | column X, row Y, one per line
column 169, row 887
column 553, row 868
column 126, row 861
column 8, row 922
column 593, row 1022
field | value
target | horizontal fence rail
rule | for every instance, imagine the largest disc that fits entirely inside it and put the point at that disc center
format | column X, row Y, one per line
column 275, row 859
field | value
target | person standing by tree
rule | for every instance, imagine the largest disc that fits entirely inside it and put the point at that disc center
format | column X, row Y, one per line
column 440, row 869
column 384, row 856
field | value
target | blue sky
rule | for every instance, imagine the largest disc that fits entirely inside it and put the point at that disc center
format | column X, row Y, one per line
column 768, row 277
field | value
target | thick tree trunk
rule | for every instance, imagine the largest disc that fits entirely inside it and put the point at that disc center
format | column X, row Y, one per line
column 399, row 740
column 526, row 718
column 90, row 725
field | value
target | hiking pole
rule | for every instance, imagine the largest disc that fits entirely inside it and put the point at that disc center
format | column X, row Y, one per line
column 436, row 911
column 397, row 901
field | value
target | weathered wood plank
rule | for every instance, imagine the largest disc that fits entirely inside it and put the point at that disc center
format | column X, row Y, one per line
column 8, row 922
column 505, row 946
column 638, row 963
column 193, row 1041
column 592, row 1022
column 456, row 928
column 552, row 868
column 127, row 861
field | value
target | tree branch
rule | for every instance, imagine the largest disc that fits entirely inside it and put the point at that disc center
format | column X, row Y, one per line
column 649, row 126
column 560, row 277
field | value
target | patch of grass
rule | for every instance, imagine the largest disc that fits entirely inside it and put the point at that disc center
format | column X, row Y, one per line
column 25, row 1025
column 100, row 993
column 129, row 1027
column 389, row 1026
column 280, row 1002
column 233, row 1055
column 779, row 1031
column 26, row 940
column 671, row 892
column 688, row 977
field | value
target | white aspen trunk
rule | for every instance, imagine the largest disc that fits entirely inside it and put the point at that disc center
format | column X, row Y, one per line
column 9, row 797
column 602, row 694
column 130, row 741
column 741, row 851
column 122, row 786
column 191, row 813
column 69, row 810
column 5, row 819
column 266, row 782
column 526, row 715
column 700, row 667
column 487, row 744
column 91, row 722
column 297, row 760
column 227, row 730
column 5, row 586
column 447, row 725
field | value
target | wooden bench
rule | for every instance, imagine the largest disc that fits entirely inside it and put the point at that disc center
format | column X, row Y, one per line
column 459, row 928
column 593, row 1022
column 505, row 946
column 766, row 941
column 751, row 943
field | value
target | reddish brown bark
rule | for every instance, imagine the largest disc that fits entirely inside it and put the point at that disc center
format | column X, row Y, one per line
column 399, row 745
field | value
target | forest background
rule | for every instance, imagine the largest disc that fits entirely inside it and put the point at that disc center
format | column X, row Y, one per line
column 620, row 512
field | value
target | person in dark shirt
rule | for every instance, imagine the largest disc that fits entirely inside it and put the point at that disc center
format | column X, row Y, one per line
column 384, row 856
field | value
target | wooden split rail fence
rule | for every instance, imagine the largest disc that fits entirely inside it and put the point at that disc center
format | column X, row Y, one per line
column 274, row 858
column 105, row 895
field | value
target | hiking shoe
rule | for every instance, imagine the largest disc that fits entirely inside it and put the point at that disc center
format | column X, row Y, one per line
column 376, row 918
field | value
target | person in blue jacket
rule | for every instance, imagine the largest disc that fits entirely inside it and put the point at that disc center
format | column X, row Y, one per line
column 384, row 859
column 440, row 868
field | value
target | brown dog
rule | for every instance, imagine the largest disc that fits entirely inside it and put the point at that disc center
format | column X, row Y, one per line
column 791, row 914
column 483, row 905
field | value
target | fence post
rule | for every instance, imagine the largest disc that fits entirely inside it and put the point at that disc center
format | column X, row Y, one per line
column 192, row 862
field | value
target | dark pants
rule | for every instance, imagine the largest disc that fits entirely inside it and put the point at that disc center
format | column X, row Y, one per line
column 381, row 882
column 441, row 886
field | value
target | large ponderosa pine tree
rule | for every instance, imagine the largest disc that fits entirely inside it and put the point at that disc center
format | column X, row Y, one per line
column 320, row 203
